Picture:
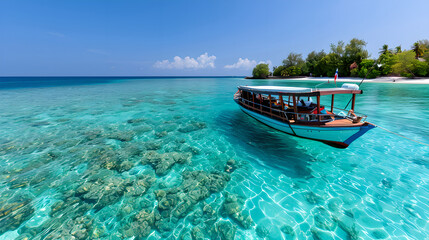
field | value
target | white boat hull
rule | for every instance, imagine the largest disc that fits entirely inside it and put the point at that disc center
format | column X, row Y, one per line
column 336, row 136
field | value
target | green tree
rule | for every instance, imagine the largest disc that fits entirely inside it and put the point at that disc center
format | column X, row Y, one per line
column 425, row 47
column 368, row 69
column 384, row 49
column 420, row 68
column 312, row 60
column 426, row 56
column 294, row 59
column 261, row 71
column 409, row 66
column 398, row 49
column 329, row 64
column 387, row 61
column 353, row 52
column 424, row 43
column 354, row 72
column 338, row 49
column 291, row 71
column 278, row 70
column 417, row 49
column 342, row 56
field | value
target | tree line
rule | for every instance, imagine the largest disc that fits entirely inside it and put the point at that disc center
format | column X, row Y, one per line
column 353, row 60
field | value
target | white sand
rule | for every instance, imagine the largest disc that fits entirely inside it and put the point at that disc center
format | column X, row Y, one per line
column 378, row 80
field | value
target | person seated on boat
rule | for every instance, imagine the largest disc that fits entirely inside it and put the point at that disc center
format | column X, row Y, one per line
column 302, row 103
column 351, row 114
column 305, row 106
column 276, row 104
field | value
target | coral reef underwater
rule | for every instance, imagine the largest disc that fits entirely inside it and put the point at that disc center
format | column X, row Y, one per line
column 120, row 180
column 176, row 159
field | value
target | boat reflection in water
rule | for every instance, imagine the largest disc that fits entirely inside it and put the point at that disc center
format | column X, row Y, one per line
column 292, row 110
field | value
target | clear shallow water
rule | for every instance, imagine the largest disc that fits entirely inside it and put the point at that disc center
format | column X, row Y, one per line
column 176, row 158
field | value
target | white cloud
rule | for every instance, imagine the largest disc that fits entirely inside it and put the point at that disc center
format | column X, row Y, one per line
column 203, row 61
column 245, row 64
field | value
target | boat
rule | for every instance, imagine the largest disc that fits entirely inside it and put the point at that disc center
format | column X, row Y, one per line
column 298, row 111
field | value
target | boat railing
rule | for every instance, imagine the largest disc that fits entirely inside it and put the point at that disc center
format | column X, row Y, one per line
column 347, row 112
column 307, row 117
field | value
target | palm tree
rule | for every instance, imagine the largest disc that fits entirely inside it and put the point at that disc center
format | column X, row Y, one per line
column 384, row 49
column 398, row 49
column 417, row 48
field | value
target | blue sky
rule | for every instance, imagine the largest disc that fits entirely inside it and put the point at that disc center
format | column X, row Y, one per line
column 184, row 37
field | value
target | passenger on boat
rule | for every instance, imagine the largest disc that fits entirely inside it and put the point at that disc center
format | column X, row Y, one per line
column 276, row 104
column 303, row 103
column 351, row 114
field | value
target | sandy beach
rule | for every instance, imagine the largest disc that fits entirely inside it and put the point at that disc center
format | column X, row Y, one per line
column 375, row 80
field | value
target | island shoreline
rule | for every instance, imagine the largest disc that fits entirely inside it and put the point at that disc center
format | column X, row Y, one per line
column 402, row 80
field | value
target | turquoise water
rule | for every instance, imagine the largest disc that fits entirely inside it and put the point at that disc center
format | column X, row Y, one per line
column 175, row 158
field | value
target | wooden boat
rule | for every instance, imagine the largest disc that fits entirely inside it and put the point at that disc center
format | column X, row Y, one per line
column 292, row 110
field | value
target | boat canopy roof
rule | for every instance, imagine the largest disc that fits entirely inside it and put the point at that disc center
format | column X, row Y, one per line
column 277, row 90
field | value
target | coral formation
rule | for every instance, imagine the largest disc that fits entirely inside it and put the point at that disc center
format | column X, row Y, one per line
column 14, row 211
column 163, row 162
column 232, row 206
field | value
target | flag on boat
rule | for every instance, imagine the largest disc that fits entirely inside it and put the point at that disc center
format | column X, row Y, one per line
column 336, row 75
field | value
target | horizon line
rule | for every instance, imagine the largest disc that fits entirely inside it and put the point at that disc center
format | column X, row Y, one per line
column 133, row 76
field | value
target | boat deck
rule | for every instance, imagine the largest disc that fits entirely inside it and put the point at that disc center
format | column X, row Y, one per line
column 343, row 123
column 336, row 123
